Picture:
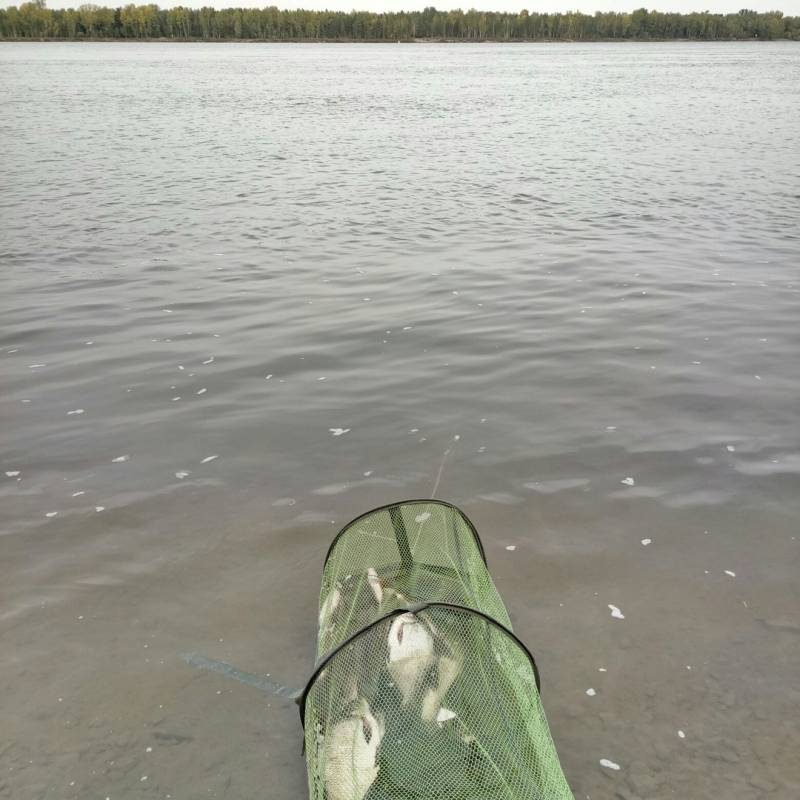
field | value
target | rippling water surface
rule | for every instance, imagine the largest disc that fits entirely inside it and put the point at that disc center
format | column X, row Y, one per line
column 249, row 291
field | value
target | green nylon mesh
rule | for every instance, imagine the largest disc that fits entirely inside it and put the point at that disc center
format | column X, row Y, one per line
column 440, row 704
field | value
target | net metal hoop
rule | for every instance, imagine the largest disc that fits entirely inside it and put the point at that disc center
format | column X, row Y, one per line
column 301, row 699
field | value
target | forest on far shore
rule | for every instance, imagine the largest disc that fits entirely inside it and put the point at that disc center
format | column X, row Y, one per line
column 33, row 20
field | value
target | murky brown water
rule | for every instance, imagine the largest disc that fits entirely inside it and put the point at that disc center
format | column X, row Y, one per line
column 581, row 260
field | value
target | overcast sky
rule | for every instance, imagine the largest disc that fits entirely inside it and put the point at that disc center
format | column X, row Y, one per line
column 789, row 7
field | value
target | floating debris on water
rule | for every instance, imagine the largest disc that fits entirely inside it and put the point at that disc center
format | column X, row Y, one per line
column 628, row 481
column 207, row 459
column 51, row 513
column 182, row 474
column 209, row 361
column 120, row 459
column 368, row 473
column 511, row 547
column 591, row 692
column 284, row 501
column 267, row 377
column 615, row 612
column 76, row 411
column 730, row 448
column 646, row 542
column 12, row 473
column 604, row 762
column 202, row 391
column 730, row 573
column 78, row 494
column 98, row 509
column 681, row 734
column 339, row 431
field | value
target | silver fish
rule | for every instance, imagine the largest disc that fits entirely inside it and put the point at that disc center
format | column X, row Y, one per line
column 410, row 653
column 329, row 607
column 350, row 754
column 381, row 591
column 448, row 669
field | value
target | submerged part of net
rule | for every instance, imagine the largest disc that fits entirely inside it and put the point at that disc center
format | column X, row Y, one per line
column 422, row 691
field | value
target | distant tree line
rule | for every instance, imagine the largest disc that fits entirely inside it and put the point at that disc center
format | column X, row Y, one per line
column 33, row 20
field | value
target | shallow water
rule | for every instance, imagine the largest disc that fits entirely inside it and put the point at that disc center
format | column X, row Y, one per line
column 322, row 264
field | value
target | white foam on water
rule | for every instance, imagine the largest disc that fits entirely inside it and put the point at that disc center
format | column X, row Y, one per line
column 681, row 734
column 98, row 509
column 591, row 692
column 207, row 459
column 202, row 391
column 331, row 489
column 729, row 572
column 51, row 513
column 182, row 474
column 339, row 431
column 12, row 473
column 646, row 542
column 209, row 361
column 615, row 612
column 511, row 547
column 78, row 494
column 368, row 473
column 120, row 459
column 628, row 481
column 730, row 448
column 557, row 485
column 604, row 762
column 76, row 411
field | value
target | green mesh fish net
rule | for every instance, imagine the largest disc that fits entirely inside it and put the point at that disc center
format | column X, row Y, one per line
column 421, row 690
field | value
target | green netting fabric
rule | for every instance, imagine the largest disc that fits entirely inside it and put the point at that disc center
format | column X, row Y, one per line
column 421, row 690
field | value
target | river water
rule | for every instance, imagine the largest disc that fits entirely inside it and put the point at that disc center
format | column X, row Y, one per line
column 250, row 291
